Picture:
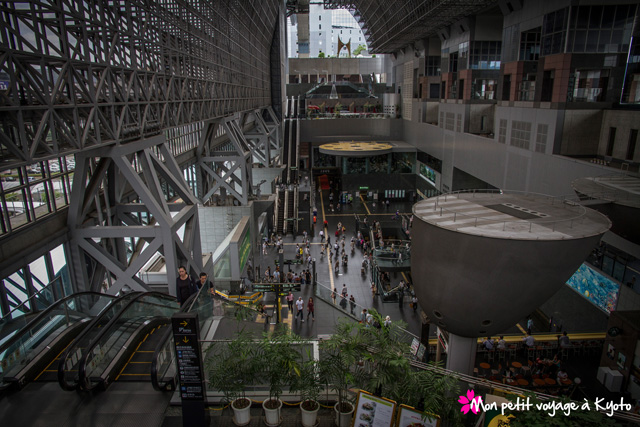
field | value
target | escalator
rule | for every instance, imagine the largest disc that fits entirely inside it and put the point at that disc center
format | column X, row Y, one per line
column 280, row 208
column 211, row 310
column 291, row 203
column 103, row 352
column 138, row 367
column 31, row 351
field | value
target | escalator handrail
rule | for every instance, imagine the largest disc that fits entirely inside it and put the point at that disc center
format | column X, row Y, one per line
column 167, row 335
column 32, row 299
column 82, row 380
column 86, row 331
column 43, row 314
column 186, row 307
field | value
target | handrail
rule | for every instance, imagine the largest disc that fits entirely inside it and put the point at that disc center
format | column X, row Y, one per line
column 186, row 307
column 83, row 381
column 42, row 315
column 165, row 341
column 34, row 296
column 87, row 330
column 324, row 293
column 568, row 203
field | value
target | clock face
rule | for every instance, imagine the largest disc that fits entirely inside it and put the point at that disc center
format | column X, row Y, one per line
column 614, row 331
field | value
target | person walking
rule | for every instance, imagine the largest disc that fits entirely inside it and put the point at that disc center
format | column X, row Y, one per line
column 387, row 321
column 352, row 303
column 289, row 299
column 310, row 310
column 334, row 295
column 300, row 307
column 414, row 303
column 185, row 285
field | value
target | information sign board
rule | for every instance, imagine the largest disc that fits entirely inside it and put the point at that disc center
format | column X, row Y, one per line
column 374, row 411
column 190, row 372
column 409, row 417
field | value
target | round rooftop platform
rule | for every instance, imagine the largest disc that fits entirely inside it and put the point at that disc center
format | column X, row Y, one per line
column 356, row 149
column 511, row 215
column 619, row 189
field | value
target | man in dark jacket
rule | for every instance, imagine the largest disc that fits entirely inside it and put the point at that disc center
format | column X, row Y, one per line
column 185, row 285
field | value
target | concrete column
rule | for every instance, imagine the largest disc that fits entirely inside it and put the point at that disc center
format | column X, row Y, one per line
column 461, row 354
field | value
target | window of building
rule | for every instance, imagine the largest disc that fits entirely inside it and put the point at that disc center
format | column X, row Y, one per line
column 433, row 65
column 527, row 88
column 453, row 90
column 631, row 148
column 483, row 89
column 600, row 28
column 459, row 123
column 485, row 55
column 520, row 134
column 319, row 26
column 590, row 86
column 530, row 44
column 502, row 131
column 319, row 17
column 450, row 119
column 554, row 27
column 541, row 138
column 611, row 142
column 453, row 62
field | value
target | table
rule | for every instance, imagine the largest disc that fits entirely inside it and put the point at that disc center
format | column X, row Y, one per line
column 485, row 365
column 523, row 382
column 550, row 381
column 517, row 365
column 539, row 381
column 566, row 382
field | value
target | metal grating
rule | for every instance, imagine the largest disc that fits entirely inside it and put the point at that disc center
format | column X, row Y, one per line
column 76, row 74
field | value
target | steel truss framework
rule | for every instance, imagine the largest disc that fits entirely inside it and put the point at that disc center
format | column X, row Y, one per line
column 125, row 200
column 76, row 74
column 390, row 26
column 225, row 167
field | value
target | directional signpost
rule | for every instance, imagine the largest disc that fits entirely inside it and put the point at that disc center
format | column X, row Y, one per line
column 191, row 375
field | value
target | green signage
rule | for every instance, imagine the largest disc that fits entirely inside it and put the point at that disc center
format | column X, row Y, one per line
column 276, row 287
column 245, row 249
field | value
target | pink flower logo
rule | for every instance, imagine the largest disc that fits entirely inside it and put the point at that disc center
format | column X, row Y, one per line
column 469, row 402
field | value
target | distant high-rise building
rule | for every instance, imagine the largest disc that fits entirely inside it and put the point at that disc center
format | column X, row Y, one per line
column 326, row 27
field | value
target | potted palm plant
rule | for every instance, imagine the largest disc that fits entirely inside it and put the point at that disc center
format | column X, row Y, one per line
column 279, row 364
column 340, row 355
column 231, row 369
column 308, row 384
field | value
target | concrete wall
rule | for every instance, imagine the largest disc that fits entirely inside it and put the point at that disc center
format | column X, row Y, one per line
column 476, row 113
column 628, row 299
column 476, row 286
column 623, row 121
column 580, row 132
column 499, row 165
column 350, row 129
column 323, row 66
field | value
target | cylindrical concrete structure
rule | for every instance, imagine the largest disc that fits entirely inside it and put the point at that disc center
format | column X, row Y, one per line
column 483, row 260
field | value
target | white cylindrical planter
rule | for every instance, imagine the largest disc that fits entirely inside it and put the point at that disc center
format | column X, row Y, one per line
column 272, row 416
column 309, row 418
column 343, row 419
column 241, row 416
